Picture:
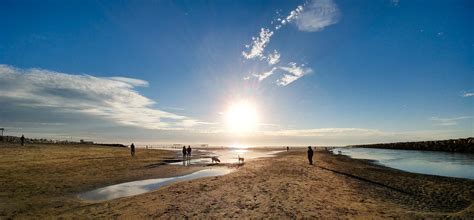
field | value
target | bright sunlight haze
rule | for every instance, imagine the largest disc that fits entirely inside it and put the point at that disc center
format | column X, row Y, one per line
column 242, row 117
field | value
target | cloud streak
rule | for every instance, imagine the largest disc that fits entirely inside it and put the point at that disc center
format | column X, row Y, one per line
column 112, row 98
column 395, row 2
column 325, row 132
column 317, row 15
column 449, row 121
column 264, row 75
column 290, row 73
column 468, row 94
column 292, row 16
column 293, row 72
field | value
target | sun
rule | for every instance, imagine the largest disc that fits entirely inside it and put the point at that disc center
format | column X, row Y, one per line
column 242, row 117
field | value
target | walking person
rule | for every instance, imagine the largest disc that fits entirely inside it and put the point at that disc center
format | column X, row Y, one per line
column 310, row 155
column 189, row 152
column 132, row 149
column 184, row 152
column 22, row 139
column 287, row 148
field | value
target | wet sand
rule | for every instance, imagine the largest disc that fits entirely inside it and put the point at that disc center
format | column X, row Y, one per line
column 278, row 187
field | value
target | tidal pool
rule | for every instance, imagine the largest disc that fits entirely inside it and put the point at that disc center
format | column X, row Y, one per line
column 448, row 164
column 144, row 186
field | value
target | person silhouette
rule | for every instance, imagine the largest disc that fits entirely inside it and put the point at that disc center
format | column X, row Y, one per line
column 184, row 152
column 132, row 150
column 287, row 148
column 310, row 155
column 22, row 139
column 189, row 152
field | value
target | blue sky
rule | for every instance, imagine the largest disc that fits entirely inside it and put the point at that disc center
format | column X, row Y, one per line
column 318, row 71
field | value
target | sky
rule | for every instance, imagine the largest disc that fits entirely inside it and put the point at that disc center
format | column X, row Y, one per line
column 316, row 72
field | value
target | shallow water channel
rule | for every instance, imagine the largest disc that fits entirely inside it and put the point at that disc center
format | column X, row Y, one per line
column 144, row 186
column 448, row 164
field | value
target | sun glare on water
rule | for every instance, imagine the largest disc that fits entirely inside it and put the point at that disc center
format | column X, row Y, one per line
column 242, row 117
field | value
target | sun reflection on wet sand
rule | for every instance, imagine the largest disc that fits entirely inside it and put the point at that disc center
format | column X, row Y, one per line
column 144, row 186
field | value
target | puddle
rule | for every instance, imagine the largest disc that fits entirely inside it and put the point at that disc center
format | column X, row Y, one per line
column 144, row 186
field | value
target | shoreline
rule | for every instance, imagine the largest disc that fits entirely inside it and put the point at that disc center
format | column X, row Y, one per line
column 460, row 145
column 283, row 186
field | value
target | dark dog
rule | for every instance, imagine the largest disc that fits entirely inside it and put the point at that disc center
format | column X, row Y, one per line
column 241, row 159
column 215, row 159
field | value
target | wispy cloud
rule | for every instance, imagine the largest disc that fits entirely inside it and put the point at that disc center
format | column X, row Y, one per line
column 449, row 121
column 317, row 15
column 130, row 81
column 258, row 44
column 294, row 72
column 290, row 73
column 325, row 132
column 113, row 98
column 256, row 49
column 395, row 2
column 468, row 94
column 273, row 58
column 174, row 108
column 294, row 14
column 264, row 75
column 312, row 16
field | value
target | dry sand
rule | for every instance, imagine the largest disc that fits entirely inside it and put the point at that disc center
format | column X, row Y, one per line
column 39, row 180
column 280, row 187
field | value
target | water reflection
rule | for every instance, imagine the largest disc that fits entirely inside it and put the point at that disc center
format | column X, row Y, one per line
column 143, row 186
column 228, row 155
column 426, row 162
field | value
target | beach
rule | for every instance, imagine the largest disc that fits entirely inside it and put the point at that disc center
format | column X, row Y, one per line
column 44, row 181
column 40, row 180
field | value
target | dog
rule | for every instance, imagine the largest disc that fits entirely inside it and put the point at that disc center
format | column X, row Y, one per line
column 241, row 159
column 215, row 159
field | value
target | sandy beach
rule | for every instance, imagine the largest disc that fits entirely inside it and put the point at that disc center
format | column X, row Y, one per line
column 284, row 186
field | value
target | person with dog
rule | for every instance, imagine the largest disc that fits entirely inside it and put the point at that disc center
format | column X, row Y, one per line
column 310, row 155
